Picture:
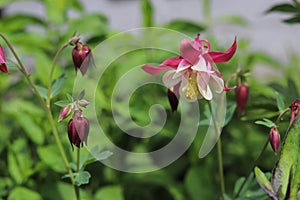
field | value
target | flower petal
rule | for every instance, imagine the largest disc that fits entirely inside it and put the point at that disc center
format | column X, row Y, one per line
column 188, row 52
column 172, row 62
column 219, row 57
column 216, row 83
column 153, row 70
column 202, row 82
column 182, row 66
column 201, row 65
column 168, row 79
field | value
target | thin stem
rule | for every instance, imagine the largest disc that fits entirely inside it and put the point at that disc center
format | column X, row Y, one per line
column 260, row 154
column 219, row 151
column 52, row 71
column 22, row 68
column 77, row 170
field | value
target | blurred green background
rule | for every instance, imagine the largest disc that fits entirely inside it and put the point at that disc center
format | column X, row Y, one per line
column 31, row 167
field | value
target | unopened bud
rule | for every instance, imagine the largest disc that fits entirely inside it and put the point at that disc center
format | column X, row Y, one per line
column 241, row 95
column 274, row 139
column 173, row 100
column 81, row 57
column 83, row 103
column 3, row 67
column 78, row 129
column 65, row 112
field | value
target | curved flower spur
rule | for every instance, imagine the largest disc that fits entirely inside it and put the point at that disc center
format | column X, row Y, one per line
column 192, row 74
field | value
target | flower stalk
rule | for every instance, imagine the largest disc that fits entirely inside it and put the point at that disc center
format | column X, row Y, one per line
column 45, row 104
column 219, row 152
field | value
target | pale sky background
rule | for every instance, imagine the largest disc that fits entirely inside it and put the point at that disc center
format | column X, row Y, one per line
column 266, row 32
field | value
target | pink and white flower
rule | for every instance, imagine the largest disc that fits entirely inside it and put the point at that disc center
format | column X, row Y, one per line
column 192, row 74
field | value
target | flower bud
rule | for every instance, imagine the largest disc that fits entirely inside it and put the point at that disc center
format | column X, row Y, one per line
column 81, row 57
column 172, row 100
column 274, row 139
column 65, row 112
column 78, row 129
column 241, row 95
column 83, row 103
column 295, row 110
column 3, row 66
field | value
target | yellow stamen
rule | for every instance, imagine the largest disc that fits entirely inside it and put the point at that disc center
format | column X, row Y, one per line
column 192, row 87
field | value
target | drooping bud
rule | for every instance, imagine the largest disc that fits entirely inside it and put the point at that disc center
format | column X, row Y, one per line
column 78, row 129
column 65, row 112
column 274, row 139
column 3, row 66
column 81, row 55
column 172, row 100
column 241, row 95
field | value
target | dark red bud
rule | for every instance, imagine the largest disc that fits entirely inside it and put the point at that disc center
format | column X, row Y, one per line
column 78, row 129
column 274, row 139
column 241, row 95
column 173, row 100
column 81, row 55
column 3, row 66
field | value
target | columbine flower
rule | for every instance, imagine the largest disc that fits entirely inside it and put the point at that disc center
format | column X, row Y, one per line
column 3, row 66
column 78, row 129
column 295, row 109
column 241, row 95
column 274, row 139
column 192, row 74
column 81, row 55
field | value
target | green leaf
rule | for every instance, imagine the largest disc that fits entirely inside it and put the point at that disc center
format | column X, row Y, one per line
column 292, row 20
column 186, row 26
column 280, row 102
column 43, row 91
column 21, row 193
column 264, row 182
column 83, row 177
column 31, row 128
column 81, row 95
column 69, row 175
column 114, row 192
column 229, row 113
column 283, row 8
column 268, row 123
column 70, row 98
column 51, row 156
column 287, row 172
column 62, row 103
column 147, row 10
column 233, row 19
column 56, row 85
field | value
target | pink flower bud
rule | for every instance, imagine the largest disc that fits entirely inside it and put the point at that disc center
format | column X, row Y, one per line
column 3, row 66
column 295, row 110
column 81, row 57
column 78, row 129
column 172, row 100
column 65, row 112
column 241, row 95
column 274, row 139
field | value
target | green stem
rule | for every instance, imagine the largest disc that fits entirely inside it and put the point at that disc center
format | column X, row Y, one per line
column 260, row 154
column 52, row 71
column 219, row 151
column 46, row 106
column 206, row 4
column 77, row 170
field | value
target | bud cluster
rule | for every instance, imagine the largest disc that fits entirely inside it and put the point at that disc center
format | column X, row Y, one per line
column 78, row 125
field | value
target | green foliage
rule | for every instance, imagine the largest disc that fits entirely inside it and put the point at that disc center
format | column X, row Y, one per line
column 285, row 179
column 292, row 8
column 30, row 161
